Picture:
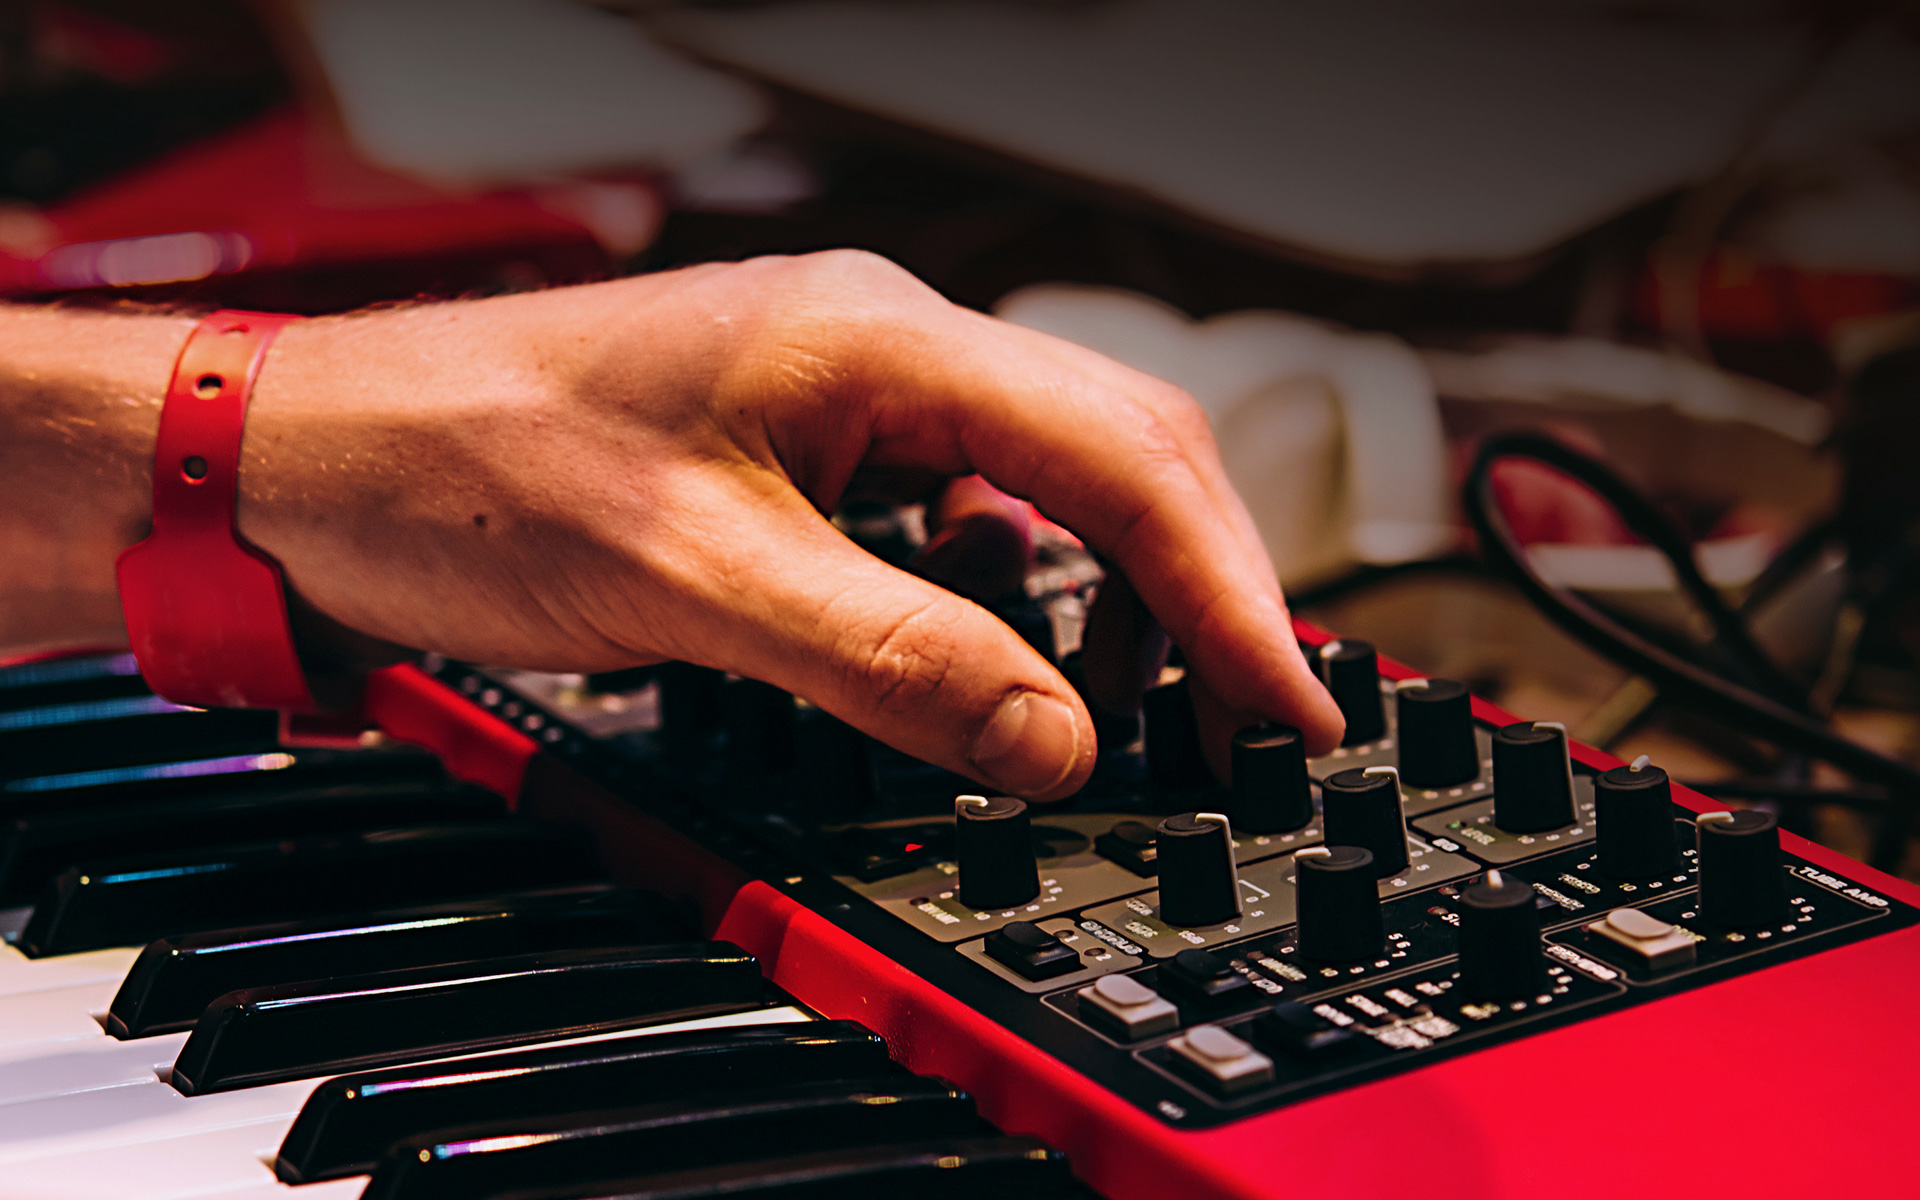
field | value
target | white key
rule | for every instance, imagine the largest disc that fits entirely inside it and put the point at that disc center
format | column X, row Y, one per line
column 142, row 1138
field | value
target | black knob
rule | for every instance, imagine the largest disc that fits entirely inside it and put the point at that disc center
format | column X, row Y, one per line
column 1532, row 783
column 1337, row 904
column 993, row 841
column 1271, row 791
column 1175, row 762
column 1351, row 671
column 1198, row 882
column 1500, row 941
column 1437, row 747
column 1633, row 815
column 1361, row 807
column 1741, row 881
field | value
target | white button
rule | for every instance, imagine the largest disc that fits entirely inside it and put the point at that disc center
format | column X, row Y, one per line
column 1222, row 1059
column 1213, row 1042
column 1636, row 924
column 1125, row 991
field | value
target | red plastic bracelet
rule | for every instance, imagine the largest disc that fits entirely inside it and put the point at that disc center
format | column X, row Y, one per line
column 206, row 612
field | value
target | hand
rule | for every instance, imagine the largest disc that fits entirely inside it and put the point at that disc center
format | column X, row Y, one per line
column 597, row 477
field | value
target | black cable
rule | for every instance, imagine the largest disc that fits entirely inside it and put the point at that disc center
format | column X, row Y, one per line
column 1741, row 707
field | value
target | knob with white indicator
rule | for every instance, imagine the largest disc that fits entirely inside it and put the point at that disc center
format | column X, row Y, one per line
column 1500, row 958
column 1741, row 880
column 1532, row 778
column 1271, row 790
column 1351, row 671
column 1435, row 732
column 1199, row 883
column 993, row 843
column 1363, row 807
column 1337, row 902
column 1633, row 822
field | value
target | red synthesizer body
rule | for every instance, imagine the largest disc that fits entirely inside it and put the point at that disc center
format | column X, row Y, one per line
column 1793, row 1079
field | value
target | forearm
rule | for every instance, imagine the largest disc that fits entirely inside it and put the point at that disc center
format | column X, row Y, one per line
column 80, row 396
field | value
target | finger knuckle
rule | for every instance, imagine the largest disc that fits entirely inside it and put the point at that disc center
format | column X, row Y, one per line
column 904, row 662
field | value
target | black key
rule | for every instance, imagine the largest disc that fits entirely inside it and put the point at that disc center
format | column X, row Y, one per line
column 331, row 1026
column 91, row 735
column 348, row 1122
column 69, row 681
column 34, row 849
column 478, row 1159
column 128, row 901
column 174, row 979
column 272, row 772
column 943, row 1169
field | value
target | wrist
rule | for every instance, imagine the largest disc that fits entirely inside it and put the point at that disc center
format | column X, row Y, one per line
column 80, row 396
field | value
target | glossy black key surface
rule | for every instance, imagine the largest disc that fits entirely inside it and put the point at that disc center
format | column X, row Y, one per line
column 475, row 1159
column 348, row 1122
column 174, row 979
column 90, row 735
column 70, row 680
column 37, row 847
column 271, row 772
column 128, row 901
column 943, row 1169
column 327, row 1027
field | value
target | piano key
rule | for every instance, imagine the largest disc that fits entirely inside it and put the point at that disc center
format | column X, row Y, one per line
column 36, row 847
column 174, row 979
column 1004, row 1168
column 349, row 1121
column 116, row 1103
column 145, row 1139
column 121, row 731
column 19, row 974
column 278, row 770
column 70, row 681
column 132, row 900
column 325, row 1027
column 477, row 1160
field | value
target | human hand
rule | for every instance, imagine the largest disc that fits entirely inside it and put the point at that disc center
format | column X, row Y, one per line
column 597, row 477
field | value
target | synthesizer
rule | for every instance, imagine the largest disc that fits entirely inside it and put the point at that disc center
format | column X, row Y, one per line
column 1458, row 956
column 241, row 969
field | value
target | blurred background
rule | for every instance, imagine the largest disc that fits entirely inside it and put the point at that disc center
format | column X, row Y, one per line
column 1681, row 240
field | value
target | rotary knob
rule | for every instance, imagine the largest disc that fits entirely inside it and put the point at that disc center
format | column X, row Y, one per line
column 1271, row 791
column 1435, row 732
column 1199, row 884
column 1351, row 671
column 1500, row 956
column 1532, row 778
column 1633, row 815
column 1337, row 904
column 1175, row 761
column 1362, row 807
column 1741, row 882
column 993, row 841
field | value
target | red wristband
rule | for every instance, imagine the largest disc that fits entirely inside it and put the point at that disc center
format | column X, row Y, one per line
column 206, row 612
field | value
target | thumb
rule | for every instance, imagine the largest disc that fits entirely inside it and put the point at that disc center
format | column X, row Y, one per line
column 912, row 664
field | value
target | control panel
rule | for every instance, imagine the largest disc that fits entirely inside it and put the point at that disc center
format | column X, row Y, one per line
column 1439, row 883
